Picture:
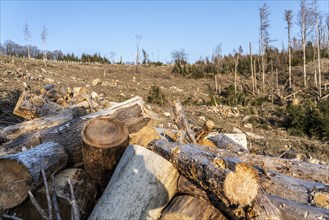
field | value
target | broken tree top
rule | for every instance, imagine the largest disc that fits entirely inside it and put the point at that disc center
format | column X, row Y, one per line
column 104, row 132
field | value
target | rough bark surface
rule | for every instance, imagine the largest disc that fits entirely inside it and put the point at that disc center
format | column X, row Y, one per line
column 142, row 184
column 104, row 141
column 189, row 208
column 13, row 131
column 295, row 168
column 294, row 210
column 21, row 173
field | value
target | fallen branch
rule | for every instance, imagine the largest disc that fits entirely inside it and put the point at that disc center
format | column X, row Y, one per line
column 54, row 198
column 37, row 206
column 73, row 201
column 50, row 211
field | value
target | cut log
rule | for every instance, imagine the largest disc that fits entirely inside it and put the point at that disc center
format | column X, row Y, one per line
column 235, row 184
column 204, row 130
column 294, row 210
column 144, row 136
column 30, row 106
column 293, row 189
column 189, row 208
column 236, row 143
column 13, row 131
column 262, row 207
column 297, row 169
column 188, row 187
column 182, row 121
column 320, row 197
column 142, row 184
column 85, row 191
column 132, row 112
column 104, row 141
column 21, row 173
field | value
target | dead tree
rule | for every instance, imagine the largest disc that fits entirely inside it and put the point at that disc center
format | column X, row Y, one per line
column 44, row 35
column 27, row 38
column 264, row 13
column 288, row 18
column 252, row 70
column 317, row 26
column 304, row 21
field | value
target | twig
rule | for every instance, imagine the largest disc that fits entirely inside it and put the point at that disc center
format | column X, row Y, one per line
column 37, row 206
column 75, row 209
column 13, row 217
column 54, row 198
column 50, row 211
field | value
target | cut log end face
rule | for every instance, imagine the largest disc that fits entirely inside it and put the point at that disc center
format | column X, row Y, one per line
column 104, row 132
column 15, row 183
column 241, row 186
column 321, row 199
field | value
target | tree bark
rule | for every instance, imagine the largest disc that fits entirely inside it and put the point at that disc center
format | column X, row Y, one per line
column 85, row 190
column 204, row 130
column 13, row 131
column 297, row 169
column 21, row 173
column 293, row 189
column 235, row 184
column 189, row 208
column 262, row 207
column 142, row 184
column 182, row 121
column 132, row 112
column 32, row 106
column 294, row 210
column 104, row 141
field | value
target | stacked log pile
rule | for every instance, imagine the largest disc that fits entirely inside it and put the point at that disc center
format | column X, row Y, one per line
column 64, row 165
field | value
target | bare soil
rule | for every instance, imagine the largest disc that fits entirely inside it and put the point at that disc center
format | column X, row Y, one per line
column 120, row 82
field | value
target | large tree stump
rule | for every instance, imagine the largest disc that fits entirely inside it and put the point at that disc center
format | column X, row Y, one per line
column 132, row 112
column 85, row 192
column 234, row 184
column 104, row 141
column 21, row 173
column 189, row 208
column 142, row 184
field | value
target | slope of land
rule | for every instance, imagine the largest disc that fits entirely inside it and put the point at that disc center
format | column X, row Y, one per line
column 120, row 82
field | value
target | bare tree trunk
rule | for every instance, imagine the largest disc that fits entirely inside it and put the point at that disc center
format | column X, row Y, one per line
column 255, row 76
column 319, row 54
column 277, row 82
column 235, row 72
column 304, row 47
column 252, row 70
column 263, row 73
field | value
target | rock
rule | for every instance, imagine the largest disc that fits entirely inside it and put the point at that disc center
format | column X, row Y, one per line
column 236, row 130
column 94, row 95
column 167, row 114
column 248, row 125
column 95, row 82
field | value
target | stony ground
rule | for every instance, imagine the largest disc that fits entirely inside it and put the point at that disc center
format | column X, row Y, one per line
column 120, row 82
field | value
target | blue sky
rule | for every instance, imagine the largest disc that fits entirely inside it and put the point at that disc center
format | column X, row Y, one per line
column 104, row 26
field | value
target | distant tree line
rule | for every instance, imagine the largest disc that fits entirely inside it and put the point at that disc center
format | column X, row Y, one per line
column 11, row 48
